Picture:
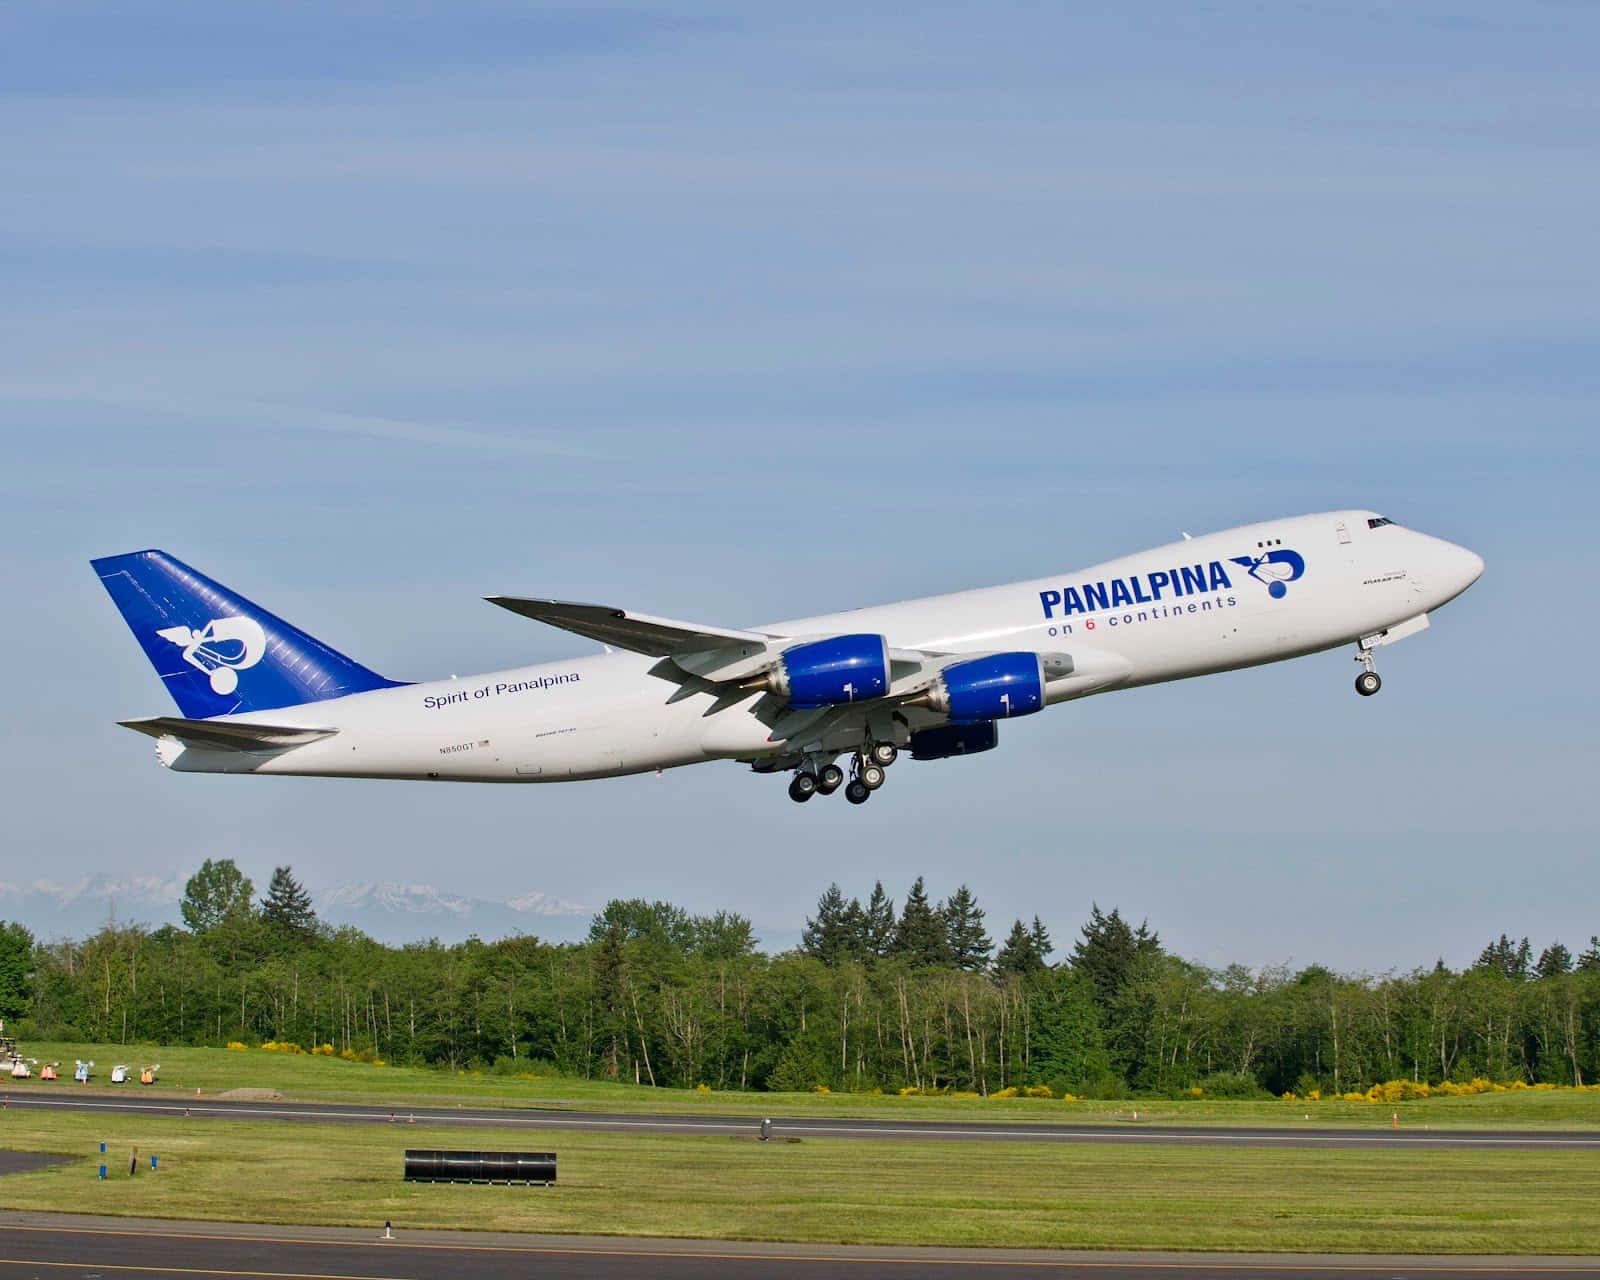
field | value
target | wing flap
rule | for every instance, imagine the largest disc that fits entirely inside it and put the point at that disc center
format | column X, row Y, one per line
column 227, row 735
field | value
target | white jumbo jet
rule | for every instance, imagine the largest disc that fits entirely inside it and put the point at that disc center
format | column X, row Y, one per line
column 933, row 677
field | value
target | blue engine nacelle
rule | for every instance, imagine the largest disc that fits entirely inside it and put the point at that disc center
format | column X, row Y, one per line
column 827, row 673
column 946, row 740
column 993, row 688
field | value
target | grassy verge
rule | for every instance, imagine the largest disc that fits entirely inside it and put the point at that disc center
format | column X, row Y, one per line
column 311, row 1078
column 1139, row 1197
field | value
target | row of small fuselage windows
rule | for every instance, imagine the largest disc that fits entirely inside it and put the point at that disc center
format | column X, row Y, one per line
column 1376, row 522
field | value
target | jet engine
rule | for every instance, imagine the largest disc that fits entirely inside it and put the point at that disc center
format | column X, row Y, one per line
column 997, row 687
column 826, row 673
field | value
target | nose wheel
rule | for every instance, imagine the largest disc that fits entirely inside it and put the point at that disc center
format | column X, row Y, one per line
column 1369, row 681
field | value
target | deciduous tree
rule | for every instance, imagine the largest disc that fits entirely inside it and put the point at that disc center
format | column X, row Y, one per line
column 16, row 968
column 217, row 893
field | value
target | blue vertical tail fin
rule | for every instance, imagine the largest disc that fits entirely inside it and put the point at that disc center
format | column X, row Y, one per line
column 218, row 653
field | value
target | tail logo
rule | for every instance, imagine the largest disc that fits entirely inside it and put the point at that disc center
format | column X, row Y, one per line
column 222, row 648
column 1276, row 570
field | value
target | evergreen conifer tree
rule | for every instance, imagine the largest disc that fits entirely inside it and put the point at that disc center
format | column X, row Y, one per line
column 1109, row 948
column 287, row 906
column 835, row 933
column 1554, row 960
column 1040, row 937
column 920, row 937
column 1018, row 954
column 1510, row 959
column 879, row 924
column 967, row 943
column 1589, row 961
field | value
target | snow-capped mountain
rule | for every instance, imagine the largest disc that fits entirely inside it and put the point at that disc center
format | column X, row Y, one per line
column 413, row 912
column 73, row 909
column 393, row 913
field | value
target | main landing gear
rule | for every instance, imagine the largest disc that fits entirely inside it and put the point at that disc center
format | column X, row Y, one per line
column 1369, row 681
column 867, row 768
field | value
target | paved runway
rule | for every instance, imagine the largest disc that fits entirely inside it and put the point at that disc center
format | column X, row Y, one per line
column 553, row 1119
column 35, row 1244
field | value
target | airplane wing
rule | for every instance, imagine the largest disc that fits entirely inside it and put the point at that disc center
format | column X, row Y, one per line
column 638, row 632
column 224, row 735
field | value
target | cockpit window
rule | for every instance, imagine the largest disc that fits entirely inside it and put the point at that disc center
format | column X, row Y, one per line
column 1377, row 522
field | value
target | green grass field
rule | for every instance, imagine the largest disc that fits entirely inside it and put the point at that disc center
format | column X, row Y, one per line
column 1124, row 1197
column 311, row 1078
column 1136, row 1197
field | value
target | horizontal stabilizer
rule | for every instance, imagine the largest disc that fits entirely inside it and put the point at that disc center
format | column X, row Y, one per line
column 227, row 735
column 636, row 632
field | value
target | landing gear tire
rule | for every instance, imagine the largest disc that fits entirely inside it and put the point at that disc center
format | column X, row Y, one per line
column 857, row 792
column 1368, row 683
column 803, row 787
column 830, row 779
column 870, row 776
column 884, row 753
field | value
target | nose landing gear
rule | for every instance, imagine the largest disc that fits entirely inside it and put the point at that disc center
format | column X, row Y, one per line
column 1368, row 682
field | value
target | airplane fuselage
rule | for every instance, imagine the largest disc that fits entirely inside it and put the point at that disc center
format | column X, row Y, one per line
column 1250, row 595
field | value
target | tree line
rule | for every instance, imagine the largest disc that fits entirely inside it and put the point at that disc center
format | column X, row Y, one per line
column 875, row 997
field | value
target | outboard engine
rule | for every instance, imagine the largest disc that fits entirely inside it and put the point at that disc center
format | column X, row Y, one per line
column 831, row 672
column 997, row 687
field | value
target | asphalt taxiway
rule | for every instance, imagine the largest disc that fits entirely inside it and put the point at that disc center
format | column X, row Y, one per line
column 34, row 1244
column 556, row 1118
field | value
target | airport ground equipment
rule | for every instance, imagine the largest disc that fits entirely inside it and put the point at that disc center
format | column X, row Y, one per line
column 480, row 1166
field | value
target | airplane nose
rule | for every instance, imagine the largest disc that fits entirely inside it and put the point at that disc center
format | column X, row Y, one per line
column 1463, row 567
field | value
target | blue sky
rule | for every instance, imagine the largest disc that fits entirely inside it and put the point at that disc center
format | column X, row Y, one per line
column 743, row 312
